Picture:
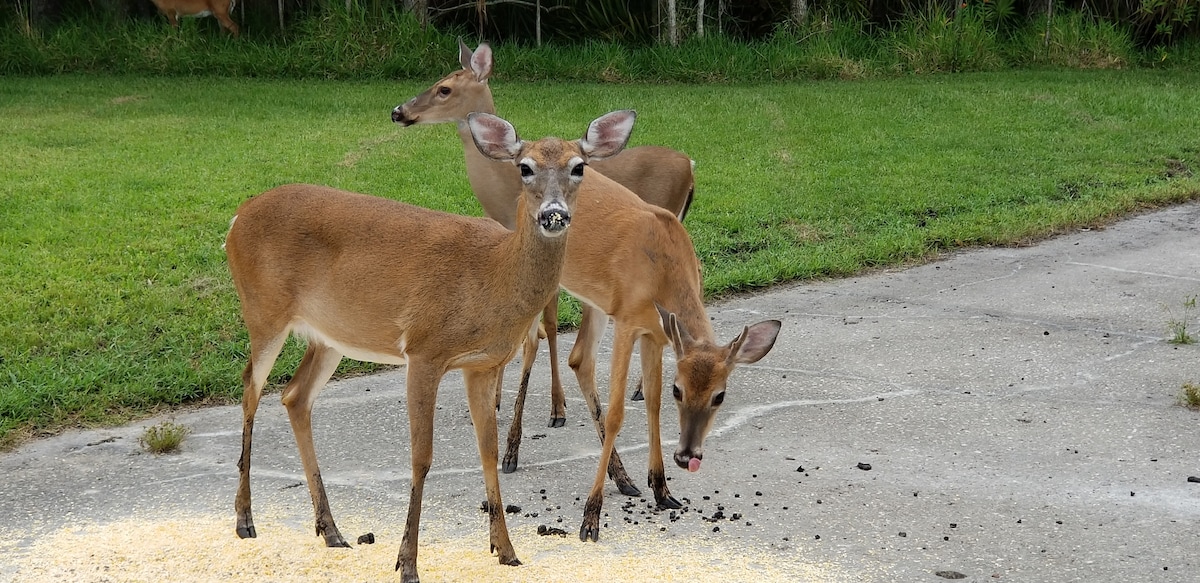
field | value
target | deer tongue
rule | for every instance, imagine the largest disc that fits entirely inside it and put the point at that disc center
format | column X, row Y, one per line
column 694, row 464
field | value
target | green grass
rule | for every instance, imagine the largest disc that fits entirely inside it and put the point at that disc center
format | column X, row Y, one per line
column 117, row 192
column 1180, row 325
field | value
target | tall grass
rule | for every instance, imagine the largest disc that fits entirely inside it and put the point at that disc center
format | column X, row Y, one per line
column 336, row 44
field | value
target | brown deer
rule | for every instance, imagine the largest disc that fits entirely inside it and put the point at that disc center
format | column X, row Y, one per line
column 634, row 262
column 661, row 176
column 220, row 9
column 383, row 281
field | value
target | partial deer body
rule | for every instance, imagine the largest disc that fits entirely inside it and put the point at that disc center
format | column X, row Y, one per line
column 660, row 176
column 634, row 263
column 219, row 9
column 383, row 281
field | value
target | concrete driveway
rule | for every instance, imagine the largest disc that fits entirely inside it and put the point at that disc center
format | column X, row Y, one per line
column 1017, row 409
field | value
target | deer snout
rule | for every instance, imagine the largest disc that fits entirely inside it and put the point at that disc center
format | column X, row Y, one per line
column 399, row 116
column 554, row 219
column 688, row 460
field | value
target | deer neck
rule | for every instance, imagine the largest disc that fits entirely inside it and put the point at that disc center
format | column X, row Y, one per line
column 534, row 263
column 686, row 301
column 497, row 185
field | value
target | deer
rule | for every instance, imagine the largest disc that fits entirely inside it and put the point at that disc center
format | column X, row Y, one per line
column 634, row 263
column 382, row 281
column 219, row 9
column 661, row 176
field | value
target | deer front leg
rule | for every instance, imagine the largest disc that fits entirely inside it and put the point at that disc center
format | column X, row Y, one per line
column 484, row 419
column 583, row 361
column 651, row 354
column 558, row 401
column 512, row 449
column 422, row 383
column 262, row 358
column 316, row 367
column 622, row 352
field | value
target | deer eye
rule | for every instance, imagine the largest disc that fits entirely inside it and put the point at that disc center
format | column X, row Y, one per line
column 577, row 171
column 443, row 91
column 526, row 171
column 678, row 393
column 718, row 399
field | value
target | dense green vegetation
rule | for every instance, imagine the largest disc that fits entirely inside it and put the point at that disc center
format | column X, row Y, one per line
column 117, row 192
column 333, row 43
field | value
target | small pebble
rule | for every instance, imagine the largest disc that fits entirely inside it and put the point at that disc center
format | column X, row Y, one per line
column 1194, row 479
column 864, row 467
column 367, row 539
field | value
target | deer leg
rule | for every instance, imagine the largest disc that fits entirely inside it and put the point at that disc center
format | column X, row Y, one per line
column 314, row 371
column 558, row 401
column 512, row 449
column 226, row 21
column 651, row 354
column 637, row 393
column 484, row 419
column 583, row 361
column 262, row 358
column 622, row 352
column 421, row 383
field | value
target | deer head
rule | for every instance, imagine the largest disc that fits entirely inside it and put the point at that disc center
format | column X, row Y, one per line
column 702, row 370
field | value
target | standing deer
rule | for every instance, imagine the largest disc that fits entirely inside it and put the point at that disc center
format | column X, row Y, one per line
column 632, row 262
column 661, row 176
column 220, row 9
column 383, row 281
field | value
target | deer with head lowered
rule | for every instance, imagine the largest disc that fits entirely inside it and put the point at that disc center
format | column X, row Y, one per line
column 219, row 9
column 383, row 281
column 660, row 176
column 634, row 263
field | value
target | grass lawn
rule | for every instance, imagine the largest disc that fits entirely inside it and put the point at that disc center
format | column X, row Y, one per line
column 116, row 193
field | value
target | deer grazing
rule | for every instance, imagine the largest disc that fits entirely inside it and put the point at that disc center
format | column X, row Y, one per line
column 383, row 281
column 219, row 9
column 632, row 262
column 661, row 176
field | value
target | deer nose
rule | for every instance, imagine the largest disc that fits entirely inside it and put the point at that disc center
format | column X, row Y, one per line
column 554, row 220
column 684, row 458
column 399, row 117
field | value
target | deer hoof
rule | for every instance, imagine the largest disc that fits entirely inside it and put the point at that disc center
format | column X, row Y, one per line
column 629, row 489
column 509, row 466
column 669, row 502
column 589, row 532
column 246, row 531
column 557, row 422
column 637, row 396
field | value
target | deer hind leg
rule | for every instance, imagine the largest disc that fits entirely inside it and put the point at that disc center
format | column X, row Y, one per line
column 623, row 339
column 484, row 419
column 512, row 449
column 226, row 21
column 421, row 384
column 651, row 354
column 583, row 361
column 262, row 357
column 314, row 371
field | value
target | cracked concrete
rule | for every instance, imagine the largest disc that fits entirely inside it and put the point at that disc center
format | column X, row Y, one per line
column 1017, row 407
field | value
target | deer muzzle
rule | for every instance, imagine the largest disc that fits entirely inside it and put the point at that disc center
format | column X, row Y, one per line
column 399, row 116
column 554, row 219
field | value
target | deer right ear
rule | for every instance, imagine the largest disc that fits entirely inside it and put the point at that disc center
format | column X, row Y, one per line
column 497, row 139
column 608, row 134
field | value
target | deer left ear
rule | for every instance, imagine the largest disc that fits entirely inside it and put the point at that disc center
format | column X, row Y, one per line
column 754, row 342
column 675, row 333
column 608, row 134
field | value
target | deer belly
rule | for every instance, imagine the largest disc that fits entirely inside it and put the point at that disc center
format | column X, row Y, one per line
column 313, row 334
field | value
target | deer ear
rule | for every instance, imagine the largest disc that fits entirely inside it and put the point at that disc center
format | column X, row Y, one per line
column 495, row 138
column 481, row 62
column 675, row 333
column 464, row 54
column 754, row 342
column 608, row 134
